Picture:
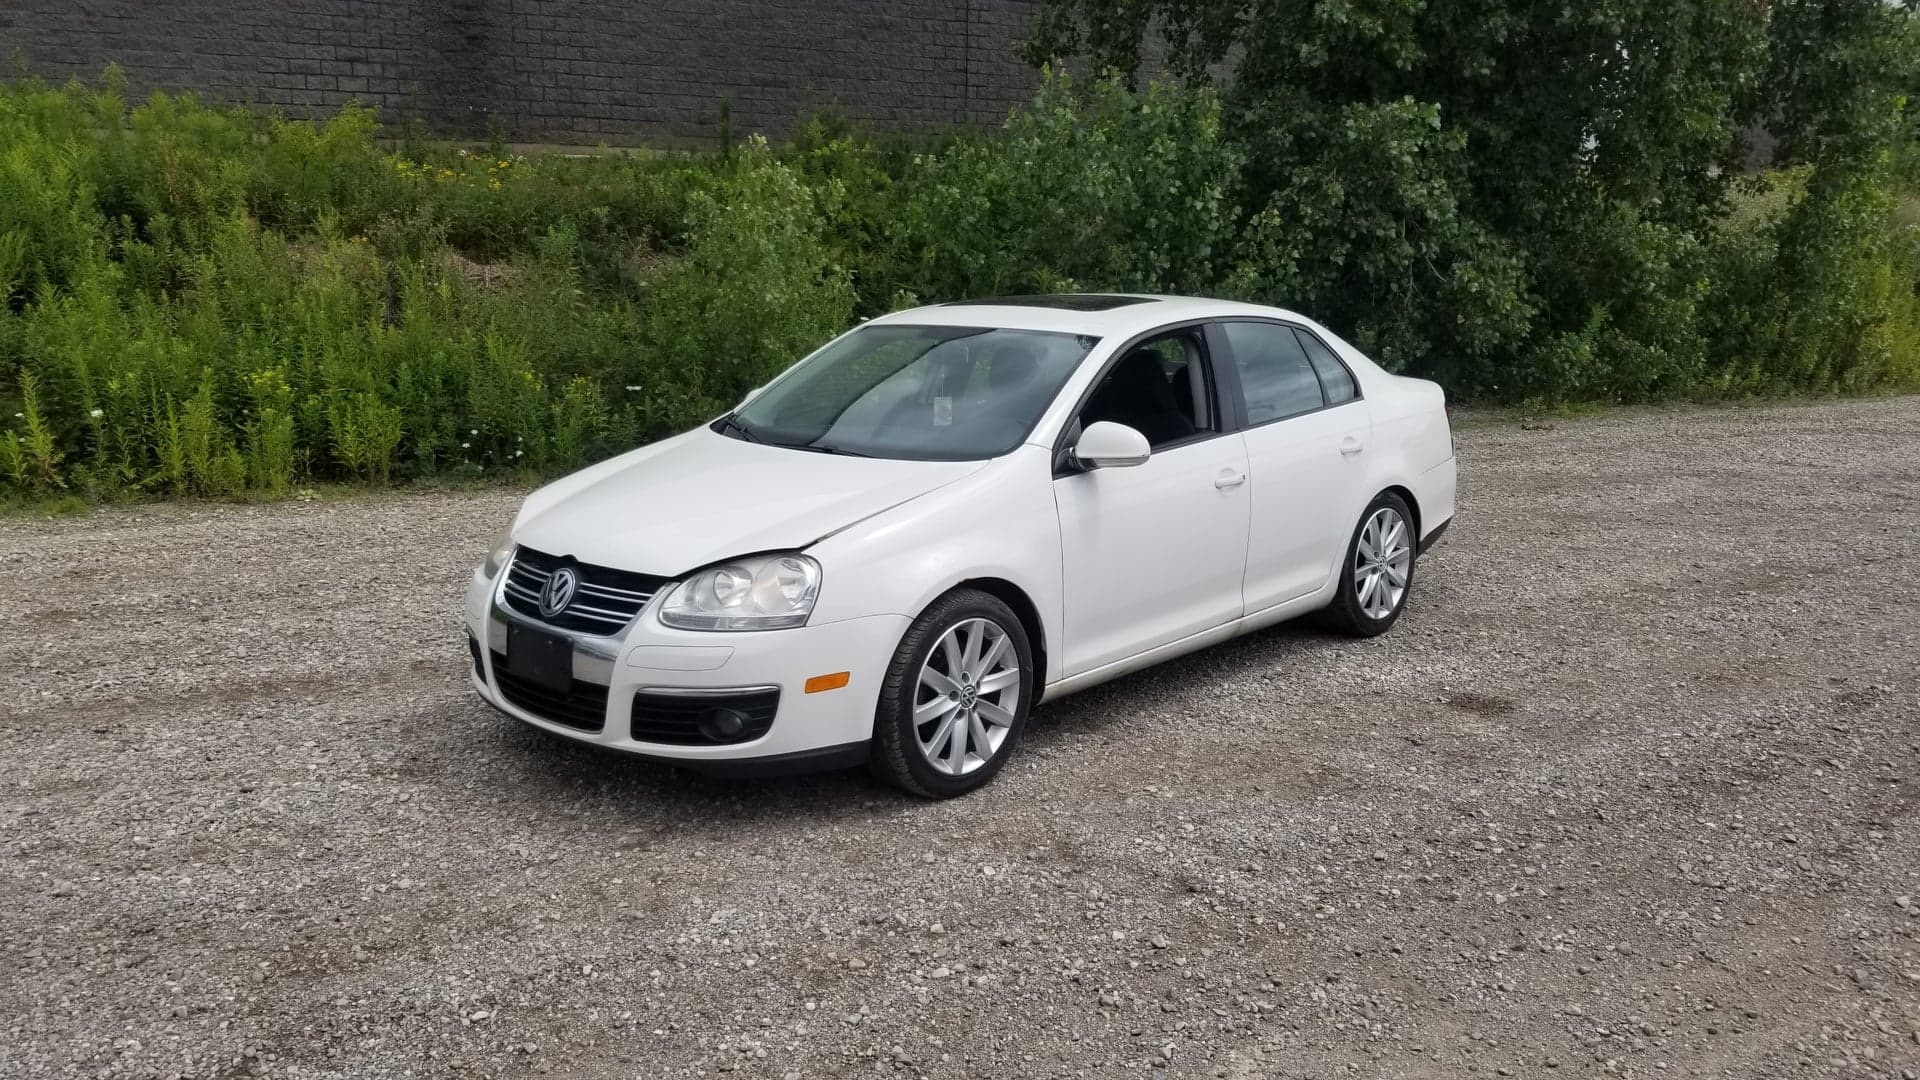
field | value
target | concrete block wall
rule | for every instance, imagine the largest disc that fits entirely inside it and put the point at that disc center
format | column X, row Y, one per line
column 563, row 71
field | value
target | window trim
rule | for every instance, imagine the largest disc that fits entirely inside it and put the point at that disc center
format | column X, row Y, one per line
column 1226, row 419
column 1225, row 348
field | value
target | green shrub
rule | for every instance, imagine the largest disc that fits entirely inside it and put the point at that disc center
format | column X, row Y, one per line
column 755, row 288
column 366, row 433
column 32, row 459
column 198, row 301
column 268, row 433
column 1095, row 189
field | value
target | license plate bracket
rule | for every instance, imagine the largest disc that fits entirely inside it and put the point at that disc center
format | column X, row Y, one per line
column 543, row 659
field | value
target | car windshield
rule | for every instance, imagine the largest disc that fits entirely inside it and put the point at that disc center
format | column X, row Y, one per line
column 929, row 393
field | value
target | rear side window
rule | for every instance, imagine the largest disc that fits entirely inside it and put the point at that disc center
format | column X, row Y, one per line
column 1334, row 376
column 1276, row 377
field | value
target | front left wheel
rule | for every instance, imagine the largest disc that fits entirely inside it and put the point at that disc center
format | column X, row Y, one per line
column 956, row 697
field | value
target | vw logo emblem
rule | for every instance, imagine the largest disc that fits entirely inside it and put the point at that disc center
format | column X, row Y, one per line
column 559, row 591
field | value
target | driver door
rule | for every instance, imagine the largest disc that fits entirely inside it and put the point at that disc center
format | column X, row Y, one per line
column 1155, row 552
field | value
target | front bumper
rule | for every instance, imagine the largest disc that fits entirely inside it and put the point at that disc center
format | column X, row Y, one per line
column 828, row 729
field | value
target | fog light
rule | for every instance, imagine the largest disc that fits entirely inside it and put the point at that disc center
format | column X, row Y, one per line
column 723, row 725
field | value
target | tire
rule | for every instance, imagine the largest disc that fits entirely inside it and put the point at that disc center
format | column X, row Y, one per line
column 987, row 708
column 1360, row 608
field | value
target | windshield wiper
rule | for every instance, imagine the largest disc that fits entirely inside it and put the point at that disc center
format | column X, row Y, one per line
column 824, row 448
column 741, row 431
column 730, row 425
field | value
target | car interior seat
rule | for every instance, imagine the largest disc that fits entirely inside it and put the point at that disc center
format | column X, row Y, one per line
column 1136, row 393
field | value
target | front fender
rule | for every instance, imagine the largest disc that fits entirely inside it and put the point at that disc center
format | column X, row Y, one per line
column 999, row 522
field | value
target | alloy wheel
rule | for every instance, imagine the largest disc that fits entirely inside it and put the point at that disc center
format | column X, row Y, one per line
column 1382, row 560
column 967, row 697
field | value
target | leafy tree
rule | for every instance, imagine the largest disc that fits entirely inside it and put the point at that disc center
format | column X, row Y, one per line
column 1517, row 197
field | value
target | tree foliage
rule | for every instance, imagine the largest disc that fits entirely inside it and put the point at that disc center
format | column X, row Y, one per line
column 1525, row 198
column 1523, row 201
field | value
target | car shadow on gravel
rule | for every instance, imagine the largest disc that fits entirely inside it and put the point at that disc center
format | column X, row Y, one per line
column 1220, row 670
column 549, row 768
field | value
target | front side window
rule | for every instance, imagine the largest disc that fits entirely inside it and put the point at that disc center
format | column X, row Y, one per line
column 927, row 393
column 1276, row 377
column 1158, row 388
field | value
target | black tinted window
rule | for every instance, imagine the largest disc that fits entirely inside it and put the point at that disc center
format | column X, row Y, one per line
column 1334, row 376
column 1275, row 374
column 1151, row 389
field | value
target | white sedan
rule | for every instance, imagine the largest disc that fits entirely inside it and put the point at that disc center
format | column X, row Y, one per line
column 897, row 548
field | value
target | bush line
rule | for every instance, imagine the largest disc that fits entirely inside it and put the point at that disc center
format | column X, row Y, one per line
column 202, row 302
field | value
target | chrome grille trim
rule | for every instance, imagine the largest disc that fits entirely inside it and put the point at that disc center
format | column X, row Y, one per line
column 614, row 594
column 604, row 602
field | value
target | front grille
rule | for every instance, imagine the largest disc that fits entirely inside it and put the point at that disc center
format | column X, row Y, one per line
column 603, row 604
column 583, row 706
column 675, row 718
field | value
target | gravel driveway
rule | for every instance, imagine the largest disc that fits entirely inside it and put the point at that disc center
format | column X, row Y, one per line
column 1630, row 791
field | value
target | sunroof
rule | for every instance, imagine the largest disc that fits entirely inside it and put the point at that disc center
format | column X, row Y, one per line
column 1059, row 301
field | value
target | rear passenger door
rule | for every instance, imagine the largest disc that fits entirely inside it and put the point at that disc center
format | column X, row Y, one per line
column 1306, row 433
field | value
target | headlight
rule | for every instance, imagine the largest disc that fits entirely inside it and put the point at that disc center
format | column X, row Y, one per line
column 497, row 558
column 762, row 592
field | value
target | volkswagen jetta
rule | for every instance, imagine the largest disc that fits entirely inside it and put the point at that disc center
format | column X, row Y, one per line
column 894, row 550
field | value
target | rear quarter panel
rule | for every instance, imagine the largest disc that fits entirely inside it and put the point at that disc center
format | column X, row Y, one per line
column 1412, row 443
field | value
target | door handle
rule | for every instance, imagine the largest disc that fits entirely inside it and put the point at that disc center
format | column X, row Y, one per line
column 1228, row 479
column 1350, row 446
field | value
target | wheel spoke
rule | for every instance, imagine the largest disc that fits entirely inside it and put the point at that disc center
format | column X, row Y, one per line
column 950, row 647
column 978, row 731
column 934, row 709
column 994, row 714
column 999, row 681
column 1391, row 542
column 1365, row 591
column 941, row 735
column 957, row 747
column 994, row 652
column 970, row 655
column 937, row 682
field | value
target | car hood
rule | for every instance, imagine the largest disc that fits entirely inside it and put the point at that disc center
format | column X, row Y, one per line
column 701, row 497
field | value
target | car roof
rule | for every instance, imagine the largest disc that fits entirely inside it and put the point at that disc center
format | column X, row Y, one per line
column 1101, row 315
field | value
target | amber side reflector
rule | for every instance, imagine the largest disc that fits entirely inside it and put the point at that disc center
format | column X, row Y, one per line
column 827, row 682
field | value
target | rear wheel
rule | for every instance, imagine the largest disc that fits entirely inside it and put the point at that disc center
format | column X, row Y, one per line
column 956, row 697
column 1378, row 572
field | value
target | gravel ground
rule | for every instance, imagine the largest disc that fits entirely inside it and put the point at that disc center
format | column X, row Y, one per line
column 1630, row 791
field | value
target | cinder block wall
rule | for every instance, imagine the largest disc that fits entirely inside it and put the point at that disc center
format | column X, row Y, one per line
column 567, row 71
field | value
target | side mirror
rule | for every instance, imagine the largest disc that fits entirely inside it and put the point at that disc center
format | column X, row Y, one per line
column 751, row 394
column 1107, row 445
